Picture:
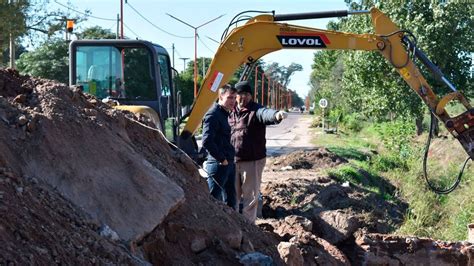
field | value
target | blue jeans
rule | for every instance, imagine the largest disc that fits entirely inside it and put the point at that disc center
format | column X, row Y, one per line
column 221, row 182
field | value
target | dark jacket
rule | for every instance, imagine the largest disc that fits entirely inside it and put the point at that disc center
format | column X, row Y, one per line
column 216, row 135
column 248, row 131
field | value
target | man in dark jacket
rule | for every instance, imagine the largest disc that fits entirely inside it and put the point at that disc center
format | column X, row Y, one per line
column 248, row 121
column 220, row 164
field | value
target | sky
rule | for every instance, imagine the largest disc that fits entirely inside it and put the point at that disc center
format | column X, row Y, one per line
column 148, row 20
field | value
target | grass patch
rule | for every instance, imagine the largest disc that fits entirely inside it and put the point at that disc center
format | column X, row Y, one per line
column 385, row 163
column 346, row 173
column 349, row 153
column 364, row 178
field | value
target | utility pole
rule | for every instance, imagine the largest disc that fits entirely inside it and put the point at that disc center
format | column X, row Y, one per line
column 172, row 46
column 117, row 34
column 184, row 62
column 203, row 67
column 12, row 51
column 12, row 45
column 121, row 18
column 195, row 45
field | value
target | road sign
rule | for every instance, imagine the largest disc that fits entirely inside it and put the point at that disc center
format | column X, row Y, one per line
column 323, row 103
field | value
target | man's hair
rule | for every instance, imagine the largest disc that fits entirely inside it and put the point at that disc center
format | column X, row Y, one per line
column 227, row 88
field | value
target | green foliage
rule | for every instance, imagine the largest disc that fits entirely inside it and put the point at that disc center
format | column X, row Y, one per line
column 13, row 18
column 349, row 153
column 385, row 163
column 347, row 173
column 366, row 83
column 335, row 115
column 96, row 32
column 48, row 61
column 185, row 84
column 13, row 21
column 397, row 135
column 353, row 122
column 428, row 215
column 457, row 223
column 282, row 73
column 45, row 21
column 365, row 177
column 296, row 100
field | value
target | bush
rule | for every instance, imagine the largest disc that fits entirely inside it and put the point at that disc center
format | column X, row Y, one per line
column 397, row 135
column 385, row 163
column 353, row 122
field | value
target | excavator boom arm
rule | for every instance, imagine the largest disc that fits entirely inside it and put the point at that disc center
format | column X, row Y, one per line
column 264, row 34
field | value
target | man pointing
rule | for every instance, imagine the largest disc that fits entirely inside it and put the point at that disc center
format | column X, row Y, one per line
column 248, row 123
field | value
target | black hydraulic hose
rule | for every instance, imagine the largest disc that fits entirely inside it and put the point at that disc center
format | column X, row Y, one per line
column 425, row 159
column 311, row 15
column 427, row 62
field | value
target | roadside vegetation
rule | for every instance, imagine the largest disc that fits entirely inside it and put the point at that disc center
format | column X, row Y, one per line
column 391, row 151
column 383, row 126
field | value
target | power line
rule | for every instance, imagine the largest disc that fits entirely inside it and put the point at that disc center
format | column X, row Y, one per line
column 126, row 26
column 199, row 38
column 138, row 13
column 113, row 26
column 85, row 14
column 213, row 40
column 176, row 50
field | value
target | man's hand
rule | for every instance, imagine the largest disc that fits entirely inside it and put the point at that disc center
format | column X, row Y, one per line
column 225, row 162
column 281, row 115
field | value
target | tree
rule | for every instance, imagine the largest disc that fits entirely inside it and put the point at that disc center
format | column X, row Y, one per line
column 13, row 22
column 45, row 21
column 296, row 100
column 288, row 72
column 282, row 73
column 444, row 31
column 96, row 32
column 185, row 81
column 50, row 60
column 31, row 21
column 185, row 84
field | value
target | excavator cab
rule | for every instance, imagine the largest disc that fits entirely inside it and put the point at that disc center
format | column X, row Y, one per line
column 137, row 74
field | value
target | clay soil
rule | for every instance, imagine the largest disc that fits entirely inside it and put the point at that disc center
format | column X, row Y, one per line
column 42, row 128
column 52, row 135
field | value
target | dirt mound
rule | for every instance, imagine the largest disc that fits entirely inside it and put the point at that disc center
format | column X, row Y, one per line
column 82, row 183
column 307, row 159
column 112, row 171
column 38, row 226
column 338, row 211
column 312, row 211
column 400, row 250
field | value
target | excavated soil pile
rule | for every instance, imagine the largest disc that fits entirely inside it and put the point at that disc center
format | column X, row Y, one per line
column 308, row 207
column 38, row 226
column 80, row 181
column 307, row 159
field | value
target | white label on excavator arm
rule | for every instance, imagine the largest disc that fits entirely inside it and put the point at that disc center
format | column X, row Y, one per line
column 217, row 81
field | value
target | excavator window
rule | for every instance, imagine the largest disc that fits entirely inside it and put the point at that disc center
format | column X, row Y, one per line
column 122, row 73
column 166, row 96
column 164, row 75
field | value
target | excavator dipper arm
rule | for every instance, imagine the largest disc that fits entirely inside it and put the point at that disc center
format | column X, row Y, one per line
column 264, row 34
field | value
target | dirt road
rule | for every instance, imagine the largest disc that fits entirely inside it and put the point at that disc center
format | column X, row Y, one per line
column 292, row 134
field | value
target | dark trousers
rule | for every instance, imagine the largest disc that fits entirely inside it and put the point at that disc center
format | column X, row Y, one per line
column 221, row 182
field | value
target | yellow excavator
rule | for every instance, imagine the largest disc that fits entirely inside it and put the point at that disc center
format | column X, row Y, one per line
column 267, row 33
column 137, row 74
column 134, row 75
